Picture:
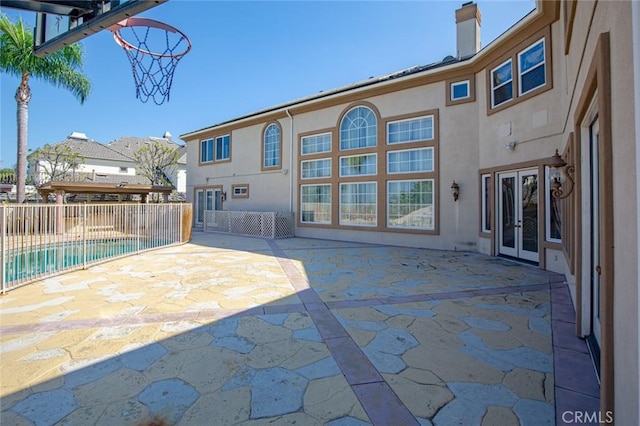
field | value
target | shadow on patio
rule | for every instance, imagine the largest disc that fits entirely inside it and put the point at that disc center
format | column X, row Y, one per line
column 229, row 330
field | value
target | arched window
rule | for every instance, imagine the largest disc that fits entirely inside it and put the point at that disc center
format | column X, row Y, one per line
column 272, row 146
column 359, row 129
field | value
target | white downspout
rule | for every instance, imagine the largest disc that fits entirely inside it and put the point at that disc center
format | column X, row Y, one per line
column 290, row 160
column 635, row 28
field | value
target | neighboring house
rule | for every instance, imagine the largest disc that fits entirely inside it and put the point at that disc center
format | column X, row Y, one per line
column 376, row 162
column 113, row 162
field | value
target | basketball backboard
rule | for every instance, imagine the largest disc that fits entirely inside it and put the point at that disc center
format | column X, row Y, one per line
column 62, row 22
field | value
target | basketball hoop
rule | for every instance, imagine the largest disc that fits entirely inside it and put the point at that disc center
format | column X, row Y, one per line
column 154, row 50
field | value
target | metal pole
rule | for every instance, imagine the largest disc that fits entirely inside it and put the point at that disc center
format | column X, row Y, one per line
column 3, row 223
column 84, row 236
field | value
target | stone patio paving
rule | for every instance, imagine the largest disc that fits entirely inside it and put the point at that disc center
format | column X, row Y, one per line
column 232, row 330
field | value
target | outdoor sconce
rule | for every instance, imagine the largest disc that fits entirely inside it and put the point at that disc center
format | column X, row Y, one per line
column 223, row 196
column 455, row 190
column 560, row 171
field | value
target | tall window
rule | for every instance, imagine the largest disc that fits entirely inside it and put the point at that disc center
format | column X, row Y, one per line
column 315, row 204
column 501, row 84
column 272, row 146
column 223, row 148
column 206, row 151
column 359, row 204
column 553, row 214
column 531, row 68
column 412, row 130
column 410, row 204
column 410, row 160
column 487, row 192
column 359, row 129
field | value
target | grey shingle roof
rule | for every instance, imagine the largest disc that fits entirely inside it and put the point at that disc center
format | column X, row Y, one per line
column 89, row 148
column 128, row 145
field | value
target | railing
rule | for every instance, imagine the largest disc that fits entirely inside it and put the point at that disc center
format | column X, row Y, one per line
column 253, row 224
column 42, row 240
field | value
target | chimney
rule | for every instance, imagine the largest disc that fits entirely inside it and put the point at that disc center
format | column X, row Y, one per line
column 468, row 20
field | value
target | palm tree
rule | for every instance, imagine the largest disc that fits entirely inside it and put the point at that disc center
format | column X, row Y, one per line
column 60, row 68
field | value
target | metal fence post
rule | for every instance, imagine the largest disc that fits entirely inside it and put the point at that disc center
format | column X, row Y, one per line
column 3, row 238
column 84, row 236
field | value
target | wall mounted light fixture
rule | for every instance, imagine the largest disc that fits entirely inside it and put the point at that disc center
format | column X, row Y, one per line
column 559, row 173
column 511, row 146
column 223, row 196
column 455, row 190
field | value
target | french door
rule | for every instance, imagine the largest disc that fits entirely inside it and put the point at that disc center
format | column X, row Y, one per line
column 594, row 169
column 518, row 214
column 207, row 199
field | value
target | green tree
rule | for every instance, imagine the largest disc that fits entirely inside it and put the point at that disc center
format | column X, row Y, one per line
column 55, row 163
column 60, row 68
column 157, row 162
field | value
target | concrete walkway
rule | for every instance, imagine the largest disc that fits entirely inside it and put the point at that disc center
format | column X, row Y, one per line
column 231, row 330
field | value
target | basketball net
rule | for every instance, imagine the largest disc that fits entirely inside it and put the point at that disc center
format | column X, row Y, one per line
column 154, row 50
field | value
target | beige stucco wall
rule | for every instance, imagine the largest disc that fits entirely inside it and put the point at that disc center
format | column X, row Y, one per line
column 615, row 18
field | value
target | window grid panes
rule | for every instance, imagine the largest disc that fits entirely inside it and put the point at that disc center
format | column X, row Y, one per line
column 553, row 214
column 240, row 190
column 316, row 168
column 501, row 84
column 272, row 146
column 316, row 144
column 359, row 129
column 410, row 161
column 410, row 204
column 460, row 90
column 358, row 204
column 206, row 151
column 531, row 68
column 315, row 204
column 222, row 147
column 358, row 165
column 413, row 130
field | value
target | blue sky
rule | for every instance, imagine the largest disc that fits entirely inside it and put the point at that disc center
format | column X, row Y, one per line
column 246, row 56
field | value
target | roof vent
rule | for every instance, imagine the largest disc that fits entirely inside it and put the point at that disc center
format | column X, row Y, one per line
column 167, row 135
column 78, row 135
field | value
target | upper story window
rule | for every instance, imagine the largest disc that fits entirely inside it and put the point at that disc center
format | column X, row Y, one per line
column 358, row 165
column 412, row 130
column 272, row 146
column 460, row 90
column 312, row 169
column 523, row 73
column 410, row 161
column 531, row 68
column 501, row 84
column 216, row 149
column 223, row 148
column 359, row 129
column 315, row 144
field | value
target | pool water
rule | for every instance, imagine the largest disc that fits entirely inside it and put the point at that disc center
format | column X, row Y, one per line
column 26, row 264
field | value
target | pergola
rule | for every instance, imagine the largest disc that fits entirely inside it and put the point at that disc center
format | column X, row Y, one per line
column 60, row 188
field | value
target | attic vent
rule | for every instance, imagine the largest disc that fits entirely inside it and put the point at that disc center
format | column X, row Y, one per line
column 78, row 135
column 167, row 135
column 448, row 58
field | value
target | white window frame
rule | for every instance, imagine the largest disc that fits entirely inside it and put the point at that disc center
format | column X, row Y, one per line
column 303, row 177
column 460, row 83
column 272, row 145
column 241, row 191
column 308, row 138
column 542, row 64
column 409, row 120
column 547, row 201
column 433, row 205
column 370, row 127
column 493, row 88
column 374, row 155
column 215, row 148
column 375, row 209
column 485, row 206
column 430, row 148
column 211, row 151
column 302, row 203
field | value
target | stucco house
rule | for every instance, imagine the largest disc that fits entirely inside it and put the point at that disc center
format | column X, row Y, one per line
column 459, row 155
column 111, row 162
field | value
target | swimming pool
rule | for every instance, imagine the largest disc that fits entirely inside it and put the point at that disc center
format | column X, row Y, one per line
column 34, row 261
